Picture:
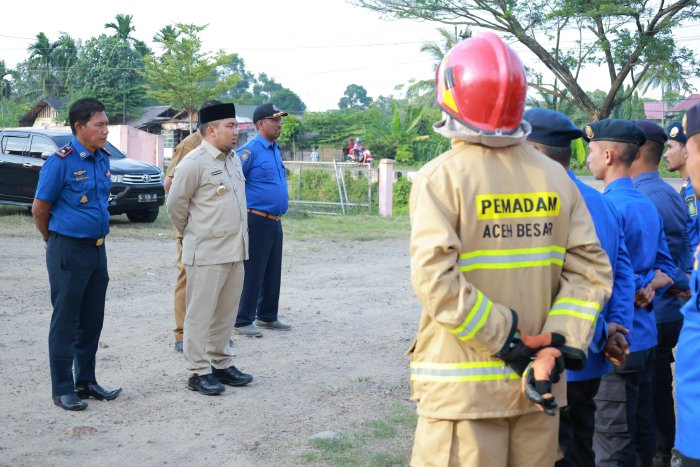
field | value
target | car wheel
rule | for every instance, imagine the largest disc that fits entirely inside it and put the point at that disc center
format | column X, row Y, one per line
column 148, row 215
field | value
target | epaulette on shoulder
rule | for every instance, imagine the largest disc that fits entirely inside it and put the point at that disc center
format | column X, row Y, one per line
column 64, row 151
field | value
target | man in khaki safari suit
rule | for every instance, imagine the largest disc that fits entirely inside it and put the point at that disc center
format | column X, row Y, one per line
column 508, row 268
column 207, row 204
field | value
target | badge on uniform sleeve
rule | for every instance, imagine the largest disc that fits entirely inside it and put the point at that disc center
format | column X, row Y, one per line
column 220, row 190
column 692, row 204
column 245, row 154
column 84, row 199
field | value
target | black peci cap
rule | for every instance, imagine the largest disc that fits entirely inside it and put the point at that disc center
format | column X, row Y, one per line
column 216, row 112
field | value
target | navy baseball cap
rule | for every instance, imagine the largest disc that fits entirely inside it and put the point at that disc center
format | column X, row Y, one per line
column 652, row 131
column 551, row 127
column 676, row 133
column 614, row 129
column 691, row 121
column 269, row 110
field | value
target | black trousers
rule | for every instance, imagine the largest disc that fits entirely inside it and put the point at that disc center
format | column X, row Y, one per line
column 625, row 430
column 263, row 271
column 664, row 406
column 577, row 423
column 78, row 278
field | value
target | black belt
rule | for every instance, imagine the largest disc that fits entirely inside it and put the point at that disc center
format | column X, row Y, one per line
column 83, row 241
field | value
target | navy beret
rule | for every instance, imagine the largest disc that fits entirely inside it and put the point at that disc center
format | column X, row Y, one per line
column 653, row 131
column 216, row 112
column 551, row 127
column 691, row 121
column 613, row 129
column 676, row 133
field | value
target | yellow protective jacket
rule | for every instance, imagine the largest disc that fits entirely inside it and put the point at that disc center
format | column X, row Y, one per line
column 495, row 229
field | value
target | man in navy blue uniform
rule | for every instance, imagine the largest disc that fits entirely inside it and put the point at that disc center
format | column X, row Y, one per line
column 70, row 212
column 675, row 156
column 625, row 432
column 667, row 305
column 268, row 199
column 687, row 368
column 552, row 133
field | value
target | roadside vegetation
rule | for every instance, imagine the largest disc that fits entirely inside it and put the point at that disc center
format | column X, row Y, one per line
column 382, row 441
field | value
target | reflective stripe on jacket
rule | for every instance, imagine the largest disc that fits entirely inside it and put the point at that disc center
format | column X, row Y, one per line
column 495, row 229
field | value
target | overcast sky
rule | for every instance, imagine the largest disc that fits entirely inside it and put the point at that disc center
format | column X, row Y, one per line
column 314, row 48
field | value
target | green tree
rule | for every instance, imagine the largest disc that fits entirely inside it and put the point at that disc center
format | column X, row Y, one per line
column 395, row 135
column 41, row 62
column 355, row 97
column 630, row 37
column 266, row 89
column 123, row 27
column 109, row 69
column 181, row 75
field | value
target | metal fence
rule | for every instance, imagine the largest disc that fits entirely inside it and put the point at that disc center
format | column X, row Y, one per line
column 330, row 187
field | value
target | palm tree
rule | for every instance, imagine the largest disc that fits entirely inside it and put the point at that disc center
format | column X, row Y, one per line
column 41, row 61
column 449, row 40
column 667, row 76
column 123, row 27
column 166, row 35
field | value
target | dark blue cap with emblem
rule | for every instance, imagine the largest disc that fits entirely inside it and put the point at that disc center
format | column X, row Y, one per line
column 675, row 132
column 652, row 131
column 613, row 129
column 691, row 121
column 551, row 127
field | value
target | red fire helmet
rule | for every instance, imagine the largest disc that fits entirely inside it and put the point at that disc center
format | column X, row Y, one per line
column 481, row 82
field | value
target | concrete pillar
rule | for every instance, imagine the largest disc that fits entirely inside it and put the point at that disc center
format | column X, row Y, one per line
column 386, row 187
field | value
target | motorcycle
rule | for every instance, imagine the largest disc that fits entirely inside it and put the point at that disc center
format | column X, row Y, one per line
column 360, row 156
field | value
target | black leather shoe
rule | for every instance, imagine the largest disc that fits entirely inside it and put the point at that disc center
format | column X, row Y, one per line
column 70, row 402
column 178, row 346
column 88, row 390
column 232, row 376
column 206, row 384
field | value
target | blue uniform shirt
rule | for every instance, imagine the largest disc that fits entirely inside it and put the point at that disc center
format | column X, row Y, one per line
column 688, row 373
column 670, row 206
column 620, row 307
column 691, row 203
column 77, row 188
column 646, row 243
column 266, row 180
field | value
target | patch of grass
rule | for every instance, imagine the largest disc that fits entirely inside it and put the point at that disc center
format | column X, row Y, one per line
column 353, row 228
column 17, row 221
column 379, row 442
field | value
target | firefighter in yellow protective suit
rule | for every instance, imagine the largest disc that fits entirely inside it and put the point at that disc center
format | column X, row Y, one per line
column 508, row 268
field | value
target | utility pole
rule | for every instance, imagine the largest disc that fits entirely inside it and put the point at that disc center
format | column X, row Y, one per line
column 124, row 97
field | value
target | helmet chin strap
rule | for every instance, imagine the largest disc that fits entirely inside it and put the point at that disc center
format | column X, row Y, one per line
column 449, row 127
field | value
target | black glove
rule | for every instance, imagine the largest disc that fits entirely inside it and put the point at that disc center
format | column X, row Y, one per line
column 539, row 377
column 520, row 348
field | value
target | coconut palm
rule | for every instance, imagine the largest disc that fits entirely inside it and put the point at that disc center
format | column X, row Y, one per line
column 449, row 39
column 123, row 27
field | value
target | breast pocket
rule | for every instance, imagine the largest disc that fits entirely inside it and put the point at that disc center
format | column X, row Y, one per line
column 78, row 192
column 268, row 170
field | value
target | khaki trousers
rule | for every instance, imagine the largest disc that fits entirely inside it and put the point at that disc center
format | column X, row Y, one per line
column 213, row 294
column 523, row 441
column 180, row 304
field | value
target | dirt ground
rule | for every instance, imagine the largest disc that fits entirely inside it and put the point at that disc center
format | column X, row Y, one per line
column 353, row 313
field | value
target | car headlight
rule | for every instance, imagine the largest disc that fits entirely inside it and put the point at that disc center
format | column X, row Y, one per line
column 116, row 178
